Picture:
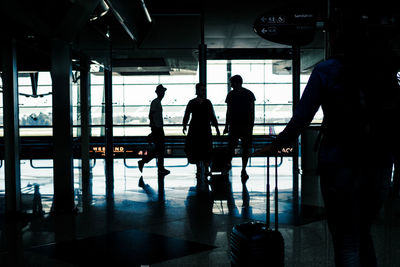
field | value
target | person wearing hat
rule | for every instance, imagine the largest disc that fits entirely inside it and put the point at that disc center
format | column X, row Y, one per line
column 157, row 133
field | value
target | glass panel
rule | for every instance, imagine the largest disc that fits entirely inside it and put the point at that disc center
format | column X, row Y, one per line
column 251, row 72
column 278, row 93
column 36, row 131
column 216, row 93
column 216, row 71
column 179, row 79
column 131, row 130
column 35, row 116
column 142, row 79
column 136, row 114
column 44, row 79
column 39, row 172
column 97, row 78
column 76, row 116
column 97, row 131
column 177, row 94
column 140, row 94
column 97, row 94
column 97, row 115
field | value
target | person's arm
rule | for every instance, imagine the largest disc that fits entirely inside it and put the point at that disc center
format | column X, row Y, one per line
column 151, row 114
column 253, row 116
column 214, row 121
column 228, row 116
column 307, row 107
column 186, row 117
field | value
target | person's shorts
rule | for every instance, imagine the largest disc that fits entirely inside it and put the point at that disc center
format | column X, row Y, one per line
column 245, row 134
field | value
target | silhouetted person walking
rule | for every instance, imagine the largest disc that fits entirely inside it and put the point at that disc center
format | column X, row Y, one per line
column 240, row 120
column 157, row 132
column 198, row 145
column 360, row 100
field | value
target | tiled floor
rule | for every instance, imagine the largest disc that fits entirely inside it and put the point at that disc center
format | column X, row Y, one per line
column 175, row 222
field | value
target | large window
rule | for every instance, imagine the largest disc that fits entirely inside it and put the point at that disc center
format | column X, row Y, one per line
column 273, row 90
column 132, row 95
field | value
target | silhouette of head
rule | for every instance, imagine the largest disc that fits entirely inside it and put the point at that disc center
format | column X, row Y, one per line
column 236, row 81
column 160, row 91
column 201, row 90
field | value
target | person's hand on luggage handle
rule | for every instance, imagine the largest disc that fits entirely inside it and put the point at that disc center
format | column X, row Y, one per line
column 226, row 129
column 271, row 149
column 266, row 150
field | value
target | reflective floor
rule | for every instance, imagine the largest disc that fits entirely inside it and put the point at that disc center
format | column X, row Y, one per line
column 176, row 220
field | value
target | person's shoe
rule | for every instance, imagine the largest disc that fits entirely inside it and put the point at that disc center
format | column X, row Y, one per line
column 163, row 171
column 244, row 176
column 141, row 182
column 140, row 165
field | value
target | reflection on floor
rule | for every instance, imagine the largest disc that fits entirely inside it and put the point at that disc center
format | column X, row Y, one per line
column 124, row 248
column 176, row 220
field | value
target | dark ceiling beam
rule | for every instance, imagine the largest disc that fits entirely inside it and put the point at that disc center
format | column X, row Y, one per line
column 75, row 18
column 48, row 19
column 133, row 17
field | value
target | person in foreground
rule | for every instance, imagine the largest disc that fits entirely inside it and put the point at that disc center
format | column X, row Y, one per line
column 359, row 97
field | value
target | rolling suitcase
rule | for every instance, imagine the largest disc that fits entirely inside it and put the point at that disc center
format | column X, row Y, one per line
column 221, row 160
column 219, row 167
column 255, row 243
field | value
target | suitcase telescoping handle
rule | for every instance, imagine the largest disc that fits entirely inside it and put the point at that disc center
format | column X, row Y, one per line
column 276, row 194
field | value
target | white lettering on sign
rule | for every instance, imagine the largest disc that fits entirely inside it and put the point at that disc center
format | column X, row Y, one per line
column 303, row 16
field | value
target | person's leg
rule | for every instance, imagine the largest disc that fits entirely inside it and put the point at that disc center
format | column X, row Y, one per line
column 160, row 150
column 151, row 153
column 246, row 146
column 375, row 184
column 341, row 194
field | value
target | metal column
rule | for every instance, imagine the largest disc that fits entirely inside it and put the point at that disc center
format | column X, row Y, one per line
column 296, row 99
column 109, row 134
column 11, row 128
column 202, row 54
column 61, row 71
column 228, row 75
column 85, row 129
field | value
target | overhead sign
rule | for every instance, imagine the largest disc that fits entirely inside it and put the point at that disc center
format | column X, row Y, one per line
column 286, row 27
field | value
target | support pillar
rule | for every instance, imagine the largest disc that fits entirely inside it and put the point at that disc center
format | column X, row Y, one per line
column 11, row 128
column 109, row 134
column 296, row 99
column 61, row 71
column 228, row 76
column 203, row 64
column 202, row 54
column 85, row 129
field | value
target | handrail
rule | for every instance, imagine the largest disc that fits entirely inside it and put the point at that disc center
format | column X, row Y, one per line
column 50, row 167
column 147, row 125
column 155, row 166
column 91, row 166
column 262, row 165
column 39, row 167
